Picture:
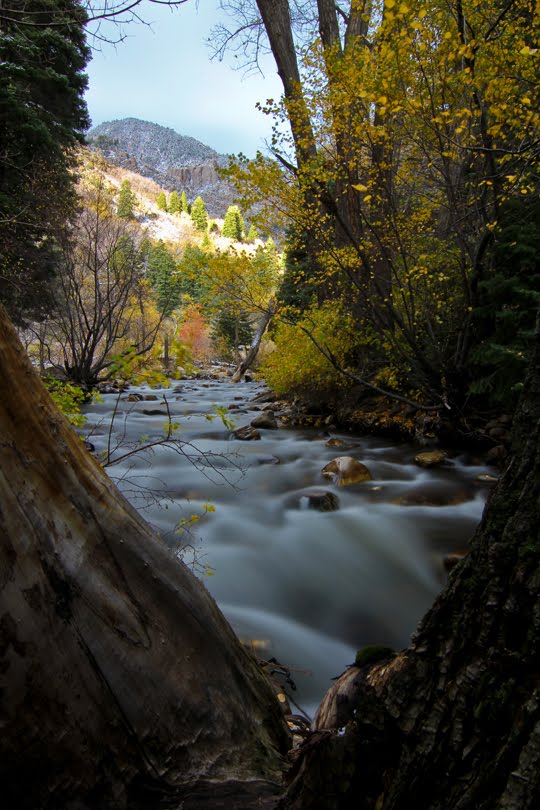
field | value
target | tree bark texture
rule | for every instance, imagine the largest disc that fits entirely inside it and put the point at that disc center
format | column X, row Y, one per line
column 121, row 684
column 453, row 721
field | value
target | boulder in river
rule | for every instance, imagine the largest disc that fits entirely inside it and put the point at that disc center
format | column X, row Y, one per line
column 334, row 442
column 430, row 458
column 246, row 433
column 265, row 420
column 322, row 500
column 346, row 470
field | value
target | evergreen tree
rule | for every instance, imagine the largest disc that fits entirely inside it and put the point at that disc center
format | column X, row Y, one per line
column 162, row 273
column 193, row 270
column 174, row 203
column 184, row 205
column 253, row 234
column 126, row 201
column 43, row 117
column 234, row 329
column 233, row 225
column 199, row 215
column 162, row 201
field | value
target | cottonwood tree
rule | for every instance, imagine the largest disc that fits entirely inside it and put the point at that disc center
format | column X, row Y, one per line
column 403, row 160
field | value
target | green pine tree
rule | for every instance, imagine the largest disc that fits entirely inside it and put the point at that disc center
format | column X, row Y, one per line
column 174, row 203
column 253, row 234
column 233, row 224
column 162, row 273
column 126, row 201
column 44, row 116
column 234, row 329
column 199, row 214
column 162, row 201
column 184, row 205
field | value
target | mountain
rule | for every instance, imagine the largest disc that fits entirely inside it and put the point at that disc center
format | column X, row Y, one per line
column 174, row 161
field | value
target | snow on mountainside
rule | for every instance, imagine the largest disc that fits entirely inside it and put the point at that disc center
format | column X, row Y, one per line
column 174, row 161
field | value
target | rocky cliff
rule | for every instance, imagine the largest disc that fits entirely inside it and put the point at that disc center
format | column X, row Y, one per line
column 174, row 161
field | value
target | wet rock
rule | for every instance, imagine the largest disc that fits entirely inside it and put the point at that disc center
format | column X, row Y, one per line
column 233, row 406
column 89, row 446
column 154, row 412
column 247, row 433
column 346, row 470
column 134, row 398
column 333, row 442
column 265, row 396
column 150, row 398
column 322, row 500
column 497, row 455
column 499, row 433
column 430, row 458
column 486, row 478
column 265, row 420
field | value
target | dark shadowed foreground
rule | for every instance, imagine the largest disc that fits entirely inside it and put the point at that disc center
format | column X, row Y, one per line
column 123, row 687
column 121, row 683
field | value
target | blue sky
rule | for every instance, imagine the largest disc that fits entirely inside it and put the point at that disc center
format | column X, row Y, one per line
column 164, row 74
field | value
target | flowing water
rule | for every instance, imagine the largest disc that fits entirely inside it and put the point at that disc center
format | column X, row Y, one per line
column 306, row 587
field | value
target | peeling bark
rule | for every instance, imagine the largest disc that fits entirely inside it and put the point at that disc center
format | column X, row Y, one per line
column 120, row 681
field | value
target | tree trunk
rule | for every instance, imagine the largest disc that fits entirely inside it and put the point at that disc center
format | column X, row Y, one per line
column 253, row 350
column 120, row 681
column 453, row 721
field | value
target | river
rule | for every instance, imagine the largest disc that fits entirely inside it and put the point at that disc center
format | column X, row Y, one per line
column 306, row 587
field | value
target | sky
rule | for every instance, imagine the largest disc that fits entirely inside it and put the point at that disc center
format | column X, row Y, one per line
column 164, row 74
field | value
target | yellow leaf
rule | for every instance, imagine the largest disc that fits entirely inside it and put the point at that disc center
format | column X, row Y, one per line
column 360, row 187
column 367, row 198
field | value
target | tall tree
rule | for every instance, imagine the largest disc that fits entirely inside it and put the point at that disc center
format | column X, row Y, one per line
column 405, row 158
column 162, row 273
column 43, row 117
column 199, row 215
column 126, row 201
column 161, row 201
column 175, row 206
column 233, row 225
